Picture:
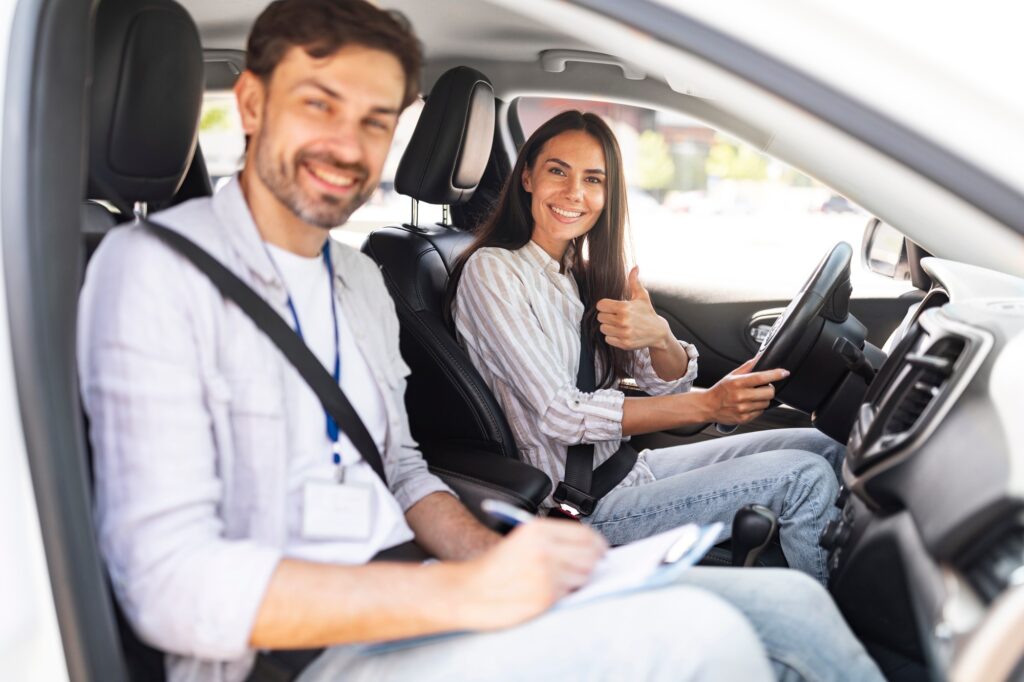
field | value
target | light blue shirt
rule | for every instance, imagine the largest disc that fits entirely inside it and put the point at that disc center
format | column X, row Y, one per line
column 189, row 429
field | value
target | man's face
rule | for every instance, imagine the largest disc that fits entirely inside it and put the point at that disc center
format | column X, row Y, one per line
column 320, row 129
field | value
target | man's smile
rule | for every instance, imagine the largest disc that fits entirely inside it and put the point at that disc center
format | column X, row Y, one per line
column 331, row 178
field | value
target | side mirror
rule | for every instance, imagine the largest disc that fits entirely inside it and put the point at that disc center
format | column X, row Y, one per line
column 884, row 251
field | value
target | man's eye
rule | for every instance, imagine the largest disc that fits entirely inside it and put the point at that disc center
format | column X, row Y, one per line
column 377, row 124
column 317, row 104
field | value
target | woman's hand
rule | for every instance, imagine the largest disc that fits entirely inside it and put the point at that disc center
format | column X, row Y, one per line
column 741, row 396
column 633, row 324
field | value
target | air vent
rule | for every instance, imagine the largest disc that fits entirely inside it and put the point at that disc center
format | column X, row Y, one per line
column 999, row 565
column 920, row 386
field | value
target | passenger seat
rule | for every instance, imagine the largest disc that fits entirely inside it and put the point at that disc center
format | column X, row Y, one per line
column 447, row 399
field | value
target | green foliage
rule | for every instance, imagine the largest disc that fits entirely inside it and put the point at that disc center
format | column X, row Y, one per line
column 655, row 168
column 735, row 162
column 214, row 118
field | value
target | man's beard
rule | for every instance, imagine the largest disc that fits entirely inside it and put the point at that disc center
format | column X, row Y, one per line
column 326, row 211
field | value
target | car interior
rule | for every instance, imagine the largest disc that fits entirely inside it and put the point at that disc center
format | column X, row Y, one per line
column 929, row 548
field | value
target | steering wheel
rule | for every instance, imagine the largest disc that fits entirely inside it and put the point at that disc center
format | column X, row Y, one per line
column 826, row 294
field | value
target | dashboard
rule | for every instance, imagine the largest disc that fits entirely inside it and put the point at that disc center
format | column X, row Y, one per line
column 933, row 500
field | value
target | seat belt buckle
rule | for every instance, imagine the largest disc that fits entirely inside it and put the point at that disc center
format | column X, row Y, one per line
column 573, row 502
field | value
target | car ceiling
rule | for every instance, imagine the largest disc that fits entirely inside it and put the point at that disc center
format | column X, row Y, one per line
column 504, row 38
column 448, row 28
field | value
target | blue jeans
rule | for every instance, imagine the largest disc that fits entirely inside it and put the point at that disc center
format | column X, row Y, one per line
column 794, row 472
column 796, row 620
column 699, row 629
column 676, row 633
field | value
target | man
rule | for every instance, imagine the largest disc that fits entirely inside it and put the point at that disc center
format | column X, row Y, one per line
column 212, row 456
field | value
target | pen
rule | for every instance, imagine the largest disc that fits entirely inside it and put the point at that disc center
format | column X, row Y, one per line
column 503, row 511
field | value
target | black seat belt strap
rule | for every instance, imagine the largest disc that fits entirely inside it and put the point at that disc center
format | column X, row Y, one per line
column 284, row 337
column 583, row 486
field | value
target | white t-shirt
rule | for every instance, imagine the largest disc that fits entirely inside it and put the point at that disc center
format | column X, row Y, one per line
column 310, row 456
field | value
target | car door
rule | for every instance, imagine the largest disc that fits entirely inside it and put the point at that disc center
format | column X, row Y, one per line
column 725, row 235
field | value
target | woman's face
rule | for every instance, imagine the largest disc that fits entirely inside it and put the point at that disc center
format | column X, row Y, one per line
column 567, row 189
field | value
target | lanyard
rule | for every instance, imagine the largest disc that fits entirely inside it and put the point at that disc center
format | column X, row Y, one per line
column 333, row 433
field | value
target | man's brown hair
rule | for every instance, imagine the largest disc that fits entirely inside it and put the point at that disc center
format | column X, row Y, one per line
column 322, row 27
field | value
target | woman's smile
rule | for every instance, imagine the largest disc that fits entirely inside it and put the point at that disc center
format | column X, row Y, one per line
column 566, row 215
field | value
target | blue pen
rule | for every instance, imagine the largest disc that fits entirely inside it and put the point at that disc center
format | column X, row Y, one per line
column 503, row 511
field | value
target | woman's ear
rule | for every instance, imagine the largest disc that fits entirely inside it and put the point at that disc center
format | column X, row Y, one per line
column 526, row 180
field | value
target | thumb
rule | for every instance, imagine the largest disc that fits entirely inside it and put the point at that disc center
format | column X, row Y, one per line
column 636, row 289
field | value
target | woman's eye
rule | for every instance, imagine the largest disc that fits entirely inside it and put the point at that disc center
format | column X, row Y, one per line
column 317, row 104
column 593, row 179
column 556, row 171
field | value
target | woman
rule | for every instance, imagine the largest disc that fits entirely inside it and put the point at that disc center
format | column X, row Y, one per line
column 558, row 230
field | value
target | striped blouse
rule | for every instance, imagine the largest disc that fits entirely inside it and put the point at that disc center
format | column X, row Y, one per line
column 519, row 319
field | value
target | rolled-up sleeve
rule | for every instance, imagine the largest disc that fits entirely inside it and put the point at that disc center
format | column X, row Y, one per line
column 494, row 317
column 648, row 381
column 184, row 586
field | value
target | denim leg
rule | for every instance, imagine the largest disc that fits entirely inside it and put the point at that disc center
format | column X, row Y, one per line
column 669, row 461
column 675, row 633
column 796, row 620
column 798, row 486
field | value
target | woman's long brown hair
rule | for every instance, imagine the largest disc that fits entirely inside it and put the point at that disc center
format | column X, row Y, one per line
column 599, row 265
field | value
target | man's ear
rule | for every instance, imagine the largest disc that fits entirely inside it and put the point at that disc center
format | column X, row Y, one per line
column 526, row 180
column 250, row 94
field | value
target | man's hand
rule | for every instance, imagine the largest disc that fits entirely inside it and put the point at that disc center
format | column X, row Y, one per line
column 633, row 324
column 741, row 396
column 537, row 564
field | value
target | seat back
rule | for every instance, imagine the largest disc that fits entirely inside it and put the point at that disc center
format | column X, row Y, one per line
column 141, row 145
column 448, row 400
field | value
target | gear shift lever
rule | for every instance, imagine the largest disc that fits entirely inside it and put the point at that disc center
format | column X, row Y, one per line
column 753, row 527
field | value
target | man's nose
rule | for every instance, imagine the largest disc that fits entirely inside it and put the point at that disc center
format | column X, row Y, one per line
column 347, row 142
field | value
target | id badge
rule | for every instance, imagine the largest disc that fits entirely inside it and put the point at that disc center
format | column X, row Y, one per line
column 337, row 511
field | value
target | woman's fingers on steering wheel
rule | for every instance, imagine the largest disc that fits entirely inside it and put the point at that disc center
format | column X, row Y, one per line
column 759, row 393
column 765, row 377
column 745, row 367
column 756, row 407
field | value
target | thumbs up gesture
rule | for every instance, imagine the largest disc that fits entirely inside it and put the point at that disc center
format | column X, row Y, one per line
column 633, row 324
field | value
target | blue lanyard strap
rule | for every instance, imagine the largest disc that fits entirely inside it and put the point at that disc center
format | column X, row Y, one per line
column 333, row 432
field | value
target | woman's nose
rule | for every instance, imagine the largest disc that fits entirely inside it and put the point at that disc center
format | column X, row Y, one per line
column 574, row 190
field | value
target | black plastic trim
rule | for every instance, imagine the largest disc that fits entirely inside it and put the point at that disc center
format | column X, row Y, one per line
column 925, row 157
column 44, row 132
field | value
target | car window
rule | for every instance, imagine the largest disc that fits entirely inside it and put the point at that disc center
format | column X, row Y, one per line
column 705, row 206
column 223, row 145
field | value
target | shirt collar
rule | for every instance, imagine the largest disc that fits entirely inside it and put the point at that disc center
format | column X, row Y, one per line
column 232, row 210
column 536, row 255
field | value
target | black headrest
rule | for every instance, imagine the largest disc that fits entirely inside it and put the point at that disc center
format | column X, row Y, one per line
column 147, row 89
column 451, row 144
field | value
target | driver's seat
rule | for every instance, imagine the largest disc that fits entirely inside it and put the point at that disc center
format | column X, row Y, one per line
column 448, row 401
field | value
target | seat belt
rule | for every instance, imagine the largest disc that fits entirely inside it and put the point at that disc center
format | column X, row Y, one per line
column 284, row 337
column 583, row 486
